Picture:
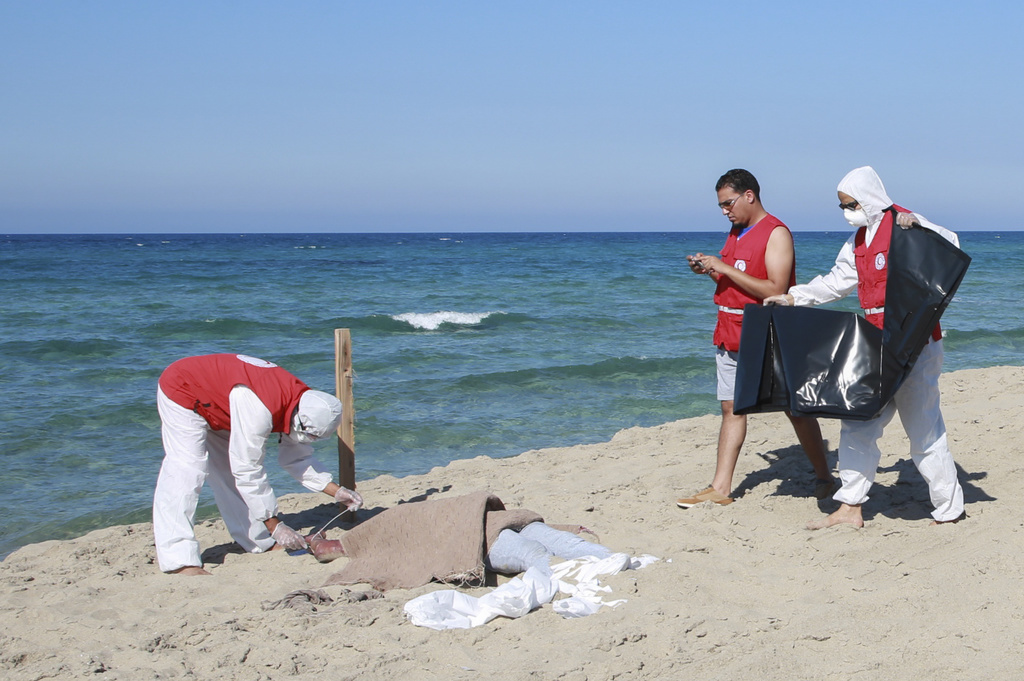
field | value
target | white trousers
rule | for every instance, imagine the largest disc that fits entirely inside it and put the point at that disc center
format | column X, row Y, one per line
column 917, row 402
column 515, row 552
column 192, row 453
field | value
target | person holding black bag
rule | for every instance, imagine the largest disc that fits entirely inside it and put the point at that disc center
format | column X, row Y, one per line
column 862, row 264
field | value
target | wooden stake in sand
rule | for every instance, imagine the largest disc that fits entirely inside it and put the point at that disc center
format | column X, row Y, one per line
column 343, row 386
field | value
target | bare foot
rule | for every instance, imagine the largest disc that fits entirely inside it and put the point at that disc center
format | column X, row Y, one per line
column 846, row 515
column 190, row 571
column 950, row 522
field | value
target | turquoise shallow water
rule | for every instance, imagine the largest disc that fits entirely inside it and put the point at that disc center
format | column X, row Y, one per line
column 463, row 344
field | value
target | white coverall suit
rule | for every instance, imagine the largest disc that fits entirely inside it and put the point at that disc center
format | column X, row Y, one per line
column 233, row 461
column 917, row 400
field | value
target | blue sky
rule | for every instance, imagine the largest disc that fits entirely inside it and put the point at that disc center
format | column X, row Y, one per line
column 499, row 116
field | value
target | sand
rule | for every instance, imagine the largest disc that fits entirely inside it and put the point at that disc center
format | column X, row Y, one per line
column 742, row 591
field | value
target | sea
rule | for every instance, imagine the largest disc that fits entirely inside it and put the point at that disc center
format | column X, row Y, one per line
column 463, row 345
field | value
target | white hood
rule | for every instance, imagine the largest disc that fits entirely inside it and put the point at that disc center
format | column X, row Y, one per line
column 864, row 185
column 318, row 415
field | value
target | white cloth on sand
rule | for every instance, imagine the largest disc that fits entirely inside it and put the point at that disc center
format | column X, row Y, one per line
column 451, row 609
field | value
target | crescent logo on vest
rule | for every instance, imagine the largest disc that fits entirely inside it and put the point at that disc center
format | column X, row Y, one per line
column 880, row 261
column 256, row 361
column 741, row 265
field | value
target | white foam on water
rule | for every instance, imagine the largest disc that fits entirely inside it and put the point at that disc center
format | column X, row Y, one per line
column 432, row 320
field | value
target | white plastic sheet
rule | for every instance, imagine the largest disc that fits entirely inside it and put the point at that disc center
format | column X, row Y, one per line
column 451, row 609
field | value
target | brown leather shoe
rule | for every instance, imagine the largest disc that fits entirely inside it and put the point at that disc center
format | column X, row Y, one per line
column 710, row 494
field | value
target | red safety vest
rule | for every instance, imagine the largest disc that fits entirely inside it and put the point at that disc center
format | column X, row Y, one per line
column 873, row 268
column 203, row 383
column 746, row 255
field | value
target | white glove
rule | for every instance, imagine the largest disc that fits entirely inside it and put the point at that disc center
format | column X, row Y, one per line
column 784, row 300
column 289, row 539
column 352, row 500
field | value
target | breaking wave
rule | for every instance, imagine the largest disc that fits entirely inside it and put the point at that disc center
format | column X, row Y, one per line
column 432, row 321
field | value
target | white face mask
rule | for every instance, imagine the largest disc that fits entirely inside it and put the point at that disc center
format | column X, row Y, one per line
column 299, row 432
column 857, row 218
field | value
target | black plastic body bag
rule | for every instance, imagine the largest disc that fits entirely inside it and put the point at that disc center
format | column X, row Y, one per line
column 815, row 362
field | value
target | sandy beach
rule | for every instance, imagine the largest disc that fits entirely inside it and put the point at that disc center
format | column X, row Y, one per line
column 742, row 591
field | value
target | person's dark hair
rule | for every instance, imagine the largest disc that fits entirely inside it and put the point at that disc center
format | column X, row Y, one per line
column 740, row 180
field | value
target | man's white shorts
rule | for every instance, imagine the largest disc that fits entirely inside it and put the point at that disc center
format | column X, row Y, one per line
column 726, row 362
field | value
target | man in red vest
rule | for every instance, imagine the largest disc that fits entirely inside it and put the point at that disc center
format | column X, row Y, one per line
column 217, row 413
column 862, row 264
column 758, row 261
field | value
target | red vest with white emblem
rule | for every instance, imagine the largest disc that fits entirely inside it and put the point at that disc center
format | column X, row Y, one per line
column 746, row 255
column 202, row 384
column 873, row 268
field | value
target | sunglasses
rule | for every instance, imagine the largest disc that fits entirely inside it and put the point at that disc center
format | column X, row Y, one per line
column 724, row 205
column 852, row 205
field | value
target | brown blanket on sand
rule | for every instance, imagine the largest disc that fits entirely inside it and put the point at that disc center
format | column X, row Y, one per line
column 412, row 544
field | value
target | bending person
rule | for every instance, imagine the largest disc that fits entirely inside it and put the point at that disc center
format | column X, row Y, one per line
column 862, row 264
column 217, row 413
